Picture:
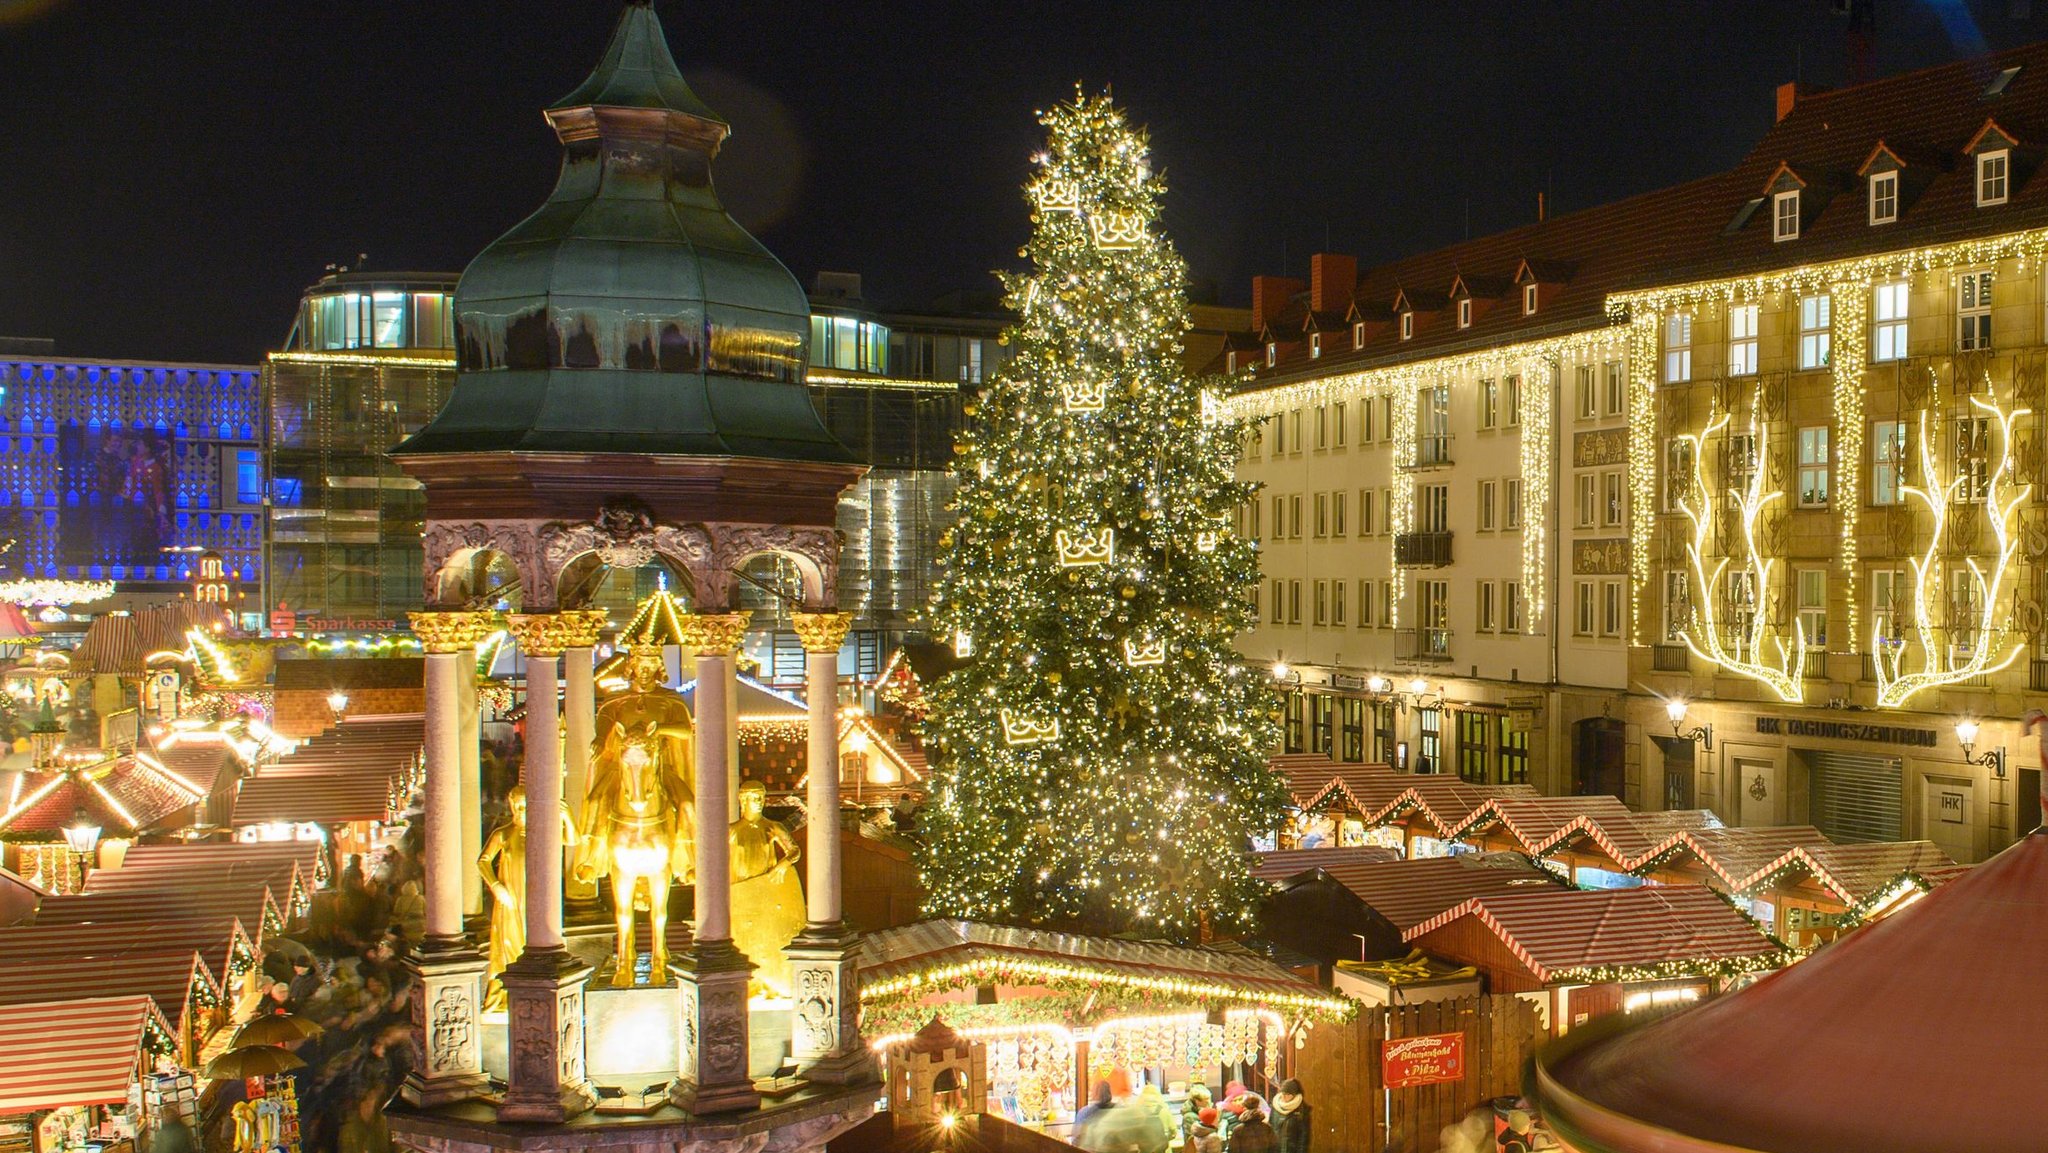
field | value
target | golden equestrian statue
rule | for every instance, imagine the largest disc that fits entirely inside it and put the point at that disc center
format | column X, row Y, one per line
column 767, row 900
column 638, row 827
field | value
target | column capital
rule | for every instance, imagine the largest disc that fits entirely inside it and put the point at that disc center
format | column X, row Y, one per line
column 822, row 632
column 547, row 634
column 715, row 634
column 451, row 632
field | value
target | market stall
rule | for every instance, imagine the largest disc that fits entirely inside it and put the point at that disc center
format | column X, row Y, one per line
column 72, row 1073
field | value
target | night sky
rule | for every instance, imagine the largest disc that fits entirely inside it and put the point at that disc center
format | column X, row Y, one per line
column 174, row 172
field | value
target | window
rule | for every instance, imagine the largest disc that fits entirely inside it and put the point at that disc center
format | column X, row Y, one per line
column 1884, row 197
column 1337, row 513
column 1677, row 606
column 1485, row 613
column 248, row 476
column 1465, row 313
column 1322, row 427
column 1511, row 606
column 1358, row 334
column 1816, row 330
column 1315, row 345
column 1813, row 606
column 1294, row 602
column 1279, row 517
column 1294, row 517
column 1589, row 498
column 1528, row 300
column 1613, row 608
column 1678, row 348
column 1337, row 425
column 1279, row 605
column 1255, row 507
column 1965, row 610
column 1678, row 466
column 1473, row 746
column 1407, row 326
column 1387, row 417
column 1587, row 394
column 1365, row 604
column 1973, row 458
column 1888, row 321
column 1514, row 400
column 1433, row 425
column 1613, row 499
column 1511, row 503
column 1433, row 508
column 1785, row 216
column 1230, row 362
column 1337, row 603
column 1389, row 610
column 1813, row 466
column 1279, row 434
column 1429, row 743
column 1365, row 435
column 1741, row 452
column 1322, row 515
column 1294, row 434
column 1487, row 489
column 1617, row 387
column 1433, row 618
column 1365, row 503
column 1742, row 340
column 1586, row 595
column 1322, row 611
column 1272, row 354
column 1887, row 604
column 1489, row 404
column 1991, row 173
column 1973, row 311
column 1887, row 461
column 1514, row 756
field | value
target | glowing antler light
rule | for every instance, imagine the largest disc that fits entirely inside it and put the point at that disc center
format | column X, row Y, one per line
column 1938, row 664
column 1703, row 632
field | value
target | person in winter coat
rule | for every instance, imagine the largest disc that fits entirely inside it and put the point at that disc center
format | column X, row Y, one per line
column 1291, row 1117
column 1158, row 1131
column 1084, row 1121
column 1202, row 1134
column 1252, row 1134
column 1191, row 1109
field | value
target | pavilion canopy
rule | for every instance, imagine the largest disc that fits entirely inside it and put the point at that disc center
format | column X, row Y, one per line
column 55, row 1054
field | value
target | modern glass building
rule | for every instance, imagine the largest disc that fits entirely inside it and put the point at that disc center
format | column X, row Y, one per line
column 370, row 359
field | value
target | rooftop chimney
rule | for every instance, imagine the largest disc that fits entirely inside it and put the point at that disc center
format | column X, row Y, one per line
column 1333, row 279
column 1270, row 294
column 1790, row 94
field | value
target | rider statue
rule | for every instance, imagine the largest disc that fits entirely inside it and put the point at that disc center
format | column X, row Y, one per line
column 638, row 822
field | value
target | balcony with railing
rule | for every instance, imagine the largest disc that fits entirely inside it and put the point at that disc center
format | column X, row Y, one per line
column 1422, row 549
column 1425, row 644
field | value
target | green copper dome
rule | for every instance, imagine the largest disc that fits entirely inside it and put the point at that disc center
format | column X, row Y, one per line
column 630, row 313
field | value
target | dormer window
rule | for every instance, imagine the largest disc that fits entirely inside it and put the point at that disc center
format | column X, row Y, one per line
column 1230, row 362
column 1272, row 353
column 1315, row 345
column 1785, row 216
column 1465, row 312
column 1884, row 197
column 1407, row 326
column 1358, row 335
column 1991, row 177
column 1528, row 300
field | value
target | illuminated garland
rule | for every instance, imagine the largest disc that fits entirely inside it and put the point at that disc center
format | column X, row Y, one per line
column 1403, row 491
column 1938, row 664
column 1539, row 375
column 1904, row 887
column 54, row 592
column 1720, row 968
column 1643, row 347
column 1068, row 978
column 1850, row 308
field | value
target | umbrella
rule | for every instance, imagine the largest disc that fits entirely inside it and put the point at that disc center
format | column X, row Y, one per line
column 275, row 1029
column 252, row 1061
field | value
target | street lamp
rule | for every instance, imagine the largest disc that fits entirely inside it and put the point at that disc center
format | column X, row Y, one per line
column 1993, row 759
column 82, row 837
column 1675, row 709
column 337, row 701
column 1378, row 684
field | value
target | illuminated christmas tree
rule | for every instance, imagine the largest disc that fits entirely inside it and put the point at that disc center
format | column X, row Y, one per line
column 1103, row 752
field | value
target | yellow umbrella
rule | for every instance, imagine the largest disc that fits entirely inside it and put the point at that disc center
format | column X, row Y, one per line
column 275, row 1029
column 252, row 1061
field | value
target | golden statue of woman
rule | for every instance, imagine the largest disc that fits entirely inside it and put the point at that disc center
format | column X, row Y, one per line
column 638, row 819
column 767, row 900
column 503, row 865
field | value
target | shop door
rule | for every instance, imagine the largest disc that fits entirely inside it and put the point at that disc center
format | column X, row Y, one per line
column 1756, row 787
column 1948, row 816
column 1854, row 797
column 1601, row 757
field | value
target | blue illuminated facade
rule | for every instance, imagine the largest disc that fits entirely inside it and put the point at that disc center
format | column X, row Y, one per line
column 127, row 471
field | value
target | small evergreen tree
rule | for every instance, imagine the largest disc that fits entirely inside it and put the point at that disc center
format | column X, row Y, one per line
column 1103, row 752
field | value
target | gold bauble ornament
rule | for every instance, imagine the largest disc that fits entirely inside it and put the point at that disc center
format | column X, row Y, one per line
column 1128, row 592
column 1052, row 678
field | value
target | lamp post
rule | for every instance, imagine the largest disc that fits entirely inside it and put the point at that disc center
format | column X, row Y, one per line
column 82, row 837
column 337, row 702
column 1675, row 710
column 1993, row 759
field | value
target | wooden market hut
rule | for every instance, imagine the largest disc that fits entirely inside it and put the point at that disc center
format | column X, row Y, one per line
column 81, row 1054
column 252, row 903
column 1059, row 1010
column 229, row 951
column 352, row 781
column 290, row 870
column 1920, row 1032
column 1583, row 954
column 177, row 981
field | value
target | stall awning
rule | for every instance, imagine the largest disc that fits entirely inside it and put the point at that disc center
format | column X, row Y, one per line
column 62, row 1053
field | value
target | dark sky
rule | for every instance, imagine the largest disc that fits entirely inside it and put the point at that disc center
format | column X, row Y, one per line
column 173, row 172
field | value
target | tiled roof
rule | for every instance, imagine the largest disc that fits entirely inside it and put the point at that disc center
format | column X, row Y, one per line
column 215, row 938
column 1557, row 931
column 55, row 1054
column 1738, row 854
column 277, row 865
column 1407, row 893
column 245, row 902
column 125, row 797
column 1339, row 862
column 1853, row 872
column 345, row 774
column 167, row 977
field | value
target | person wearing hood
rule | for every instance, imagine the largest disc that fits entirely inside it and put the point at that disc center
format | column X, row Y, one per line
column 1252, row 1134
column 1191, row 1108
column 1157, row 1133
column 1291, row 1117
column 1090, row 1116
column 1202, row 1134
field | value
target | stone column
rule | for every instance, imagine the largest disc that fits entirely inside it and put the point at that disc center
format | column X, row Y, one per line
column 711, row 1073
column 579, row 722
column 544, row 987
column 471, row 776
column 824, row 971
column 448, row 971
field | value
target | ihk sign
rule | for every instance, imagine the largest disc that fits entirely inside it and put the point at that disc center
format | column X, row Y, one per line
column 1431, row 1059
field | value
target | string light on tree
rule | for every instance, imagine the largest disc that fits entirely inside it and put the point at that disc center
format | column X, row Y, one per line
column 1101, row 758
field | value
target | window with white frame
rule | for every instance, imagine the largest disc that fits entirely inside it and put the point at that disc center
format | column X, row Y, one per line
column 1294, row 517
column 1677, row 605
column 1973, row 310
column 1358, row 334
column 1588, row 486
column 1366, row 603
column 1279, row 603
column 1484, row 616
column 1407, row 326
column 1738, row 609
column 1813, row 606
column 1888, row 306
column 1742, row 320
column 1586, row 594
column 1433, row 425
column 1365, row 507
column 1230, row 362
column 1322, row 515
column 1740, row 459
column 1365, row 422
column 1813, row 466
column 1322, row 427
column 1432, row 508
column 1887, row 605
column 1337, row 512
column 1465, row 312
column 1294, row 602
column 1279, row 435
column 1965, row 611
column 1785, row 216
column 1528, row 300
column 1294, row 417
column 1992, row 171
column 1816, row 330
column 1489, row 404
column 1884, row 197
column 1272, row 353
column 1315, row 345
column 1389, row 610
column 1613, row 499
column 1678, row 348
column 1322, row 606
column 1511, row 606
column 1586, row 394
column 1337, row 425
column 1279, row 517
column 1678, row 464
column 1973, row 458
column 1254, row 505
column 1433, row 617
column 1511, row 503
column 1487, row 489
column 1613, row 608
column 1887, row 462
column 1337, row 604
column 1512, row 417
column 1387, row 417
column 1617, row 386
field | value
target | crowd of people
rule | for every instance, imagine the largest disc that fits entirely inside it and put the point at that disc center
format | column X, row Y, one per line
column 1120, row 1121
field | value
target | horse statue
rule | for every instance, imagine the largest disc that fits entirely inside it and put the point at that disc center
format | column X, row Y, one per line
column 638, row 830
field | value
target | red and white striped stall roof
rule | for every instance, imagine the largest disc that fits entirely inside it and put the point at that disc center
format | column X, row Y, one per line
column 217, row 939
column 248, row 903
column 61, row 1053
column 1556, row 931
column 344, row 775
column 171, row 978
column 1407, row 893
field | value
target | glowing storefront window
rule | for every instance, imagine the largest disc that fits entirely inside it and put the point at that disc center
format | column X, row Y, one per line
column 387, row 316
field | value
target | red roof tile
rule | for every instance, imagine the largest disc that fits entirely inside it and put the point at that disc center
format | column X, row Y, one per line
column 1556, row 932
column 82, row 1052
column 1408, row 893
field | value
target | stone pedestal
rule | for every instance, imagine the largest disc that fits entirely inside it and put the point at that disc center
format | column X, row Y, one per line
column 544, row 996
column 711, row 1066
column 447, row 990
column 825, row 980
column 632, row 1034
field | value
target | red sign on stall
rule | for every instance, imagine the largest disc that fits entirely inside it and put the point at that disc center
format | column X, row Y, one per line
column 1430, row 1059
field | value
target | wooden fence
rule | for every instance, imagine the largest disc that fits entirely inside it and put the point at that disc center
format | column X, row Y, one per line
column 1339, row 1069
